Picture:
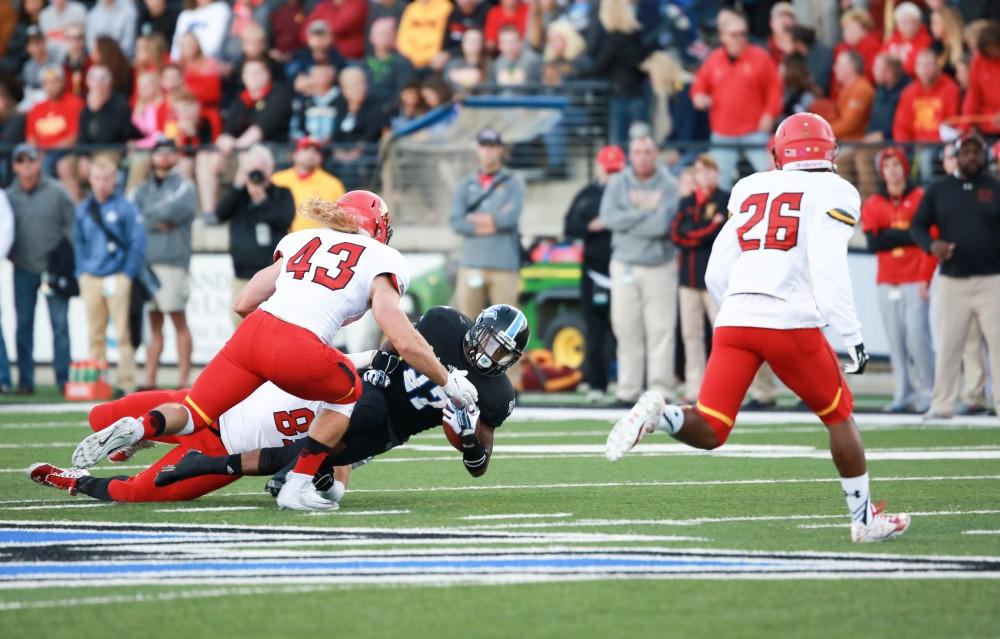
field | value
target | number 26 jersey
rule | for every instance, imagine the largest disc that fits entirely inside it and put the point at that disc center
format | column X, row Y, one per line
column 780, row 261
column 326, row 278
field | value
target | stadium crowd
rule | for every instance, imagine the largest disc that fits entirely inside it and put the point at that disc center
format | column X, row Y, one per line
column 196, row 102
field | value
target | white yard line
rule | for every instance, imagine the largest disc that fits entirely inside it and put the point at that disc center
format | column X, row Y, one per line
column 981, row 532
column 206, row 509
column 89, row 504
column 517, row 516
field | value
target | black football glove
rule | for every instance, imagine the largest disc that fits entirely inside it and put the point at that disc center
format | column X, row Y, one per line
column 382, row 366
column 859, row 360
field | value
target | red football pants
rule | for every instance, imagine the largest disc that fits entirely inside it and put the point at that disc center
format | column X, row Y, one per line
column 801, row 358
column 140, row 487
column 265, row 348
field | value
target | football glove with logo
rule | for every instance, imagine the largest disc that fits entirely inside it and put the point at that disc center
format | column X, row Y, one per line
column 463, row 422
column 459, row 389
column 859, row 359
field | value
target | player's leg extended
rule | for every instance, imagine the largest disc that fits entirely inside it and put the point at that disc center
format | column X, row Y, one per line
column 141, row 487
column 806, row 363
column 730, row 369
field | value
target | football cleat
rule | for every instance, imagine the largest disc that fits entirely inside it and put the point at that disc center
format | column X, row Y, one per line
column 298, row 493
column 641, row 419
column 122, row 455
column 883, row 526
column 95, row 447
column 61, row 478
column 334, row 493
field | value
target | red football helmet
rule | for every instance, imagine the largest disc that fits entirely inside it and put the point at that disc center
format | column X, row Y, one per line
column 804, row 141
column 370, row 212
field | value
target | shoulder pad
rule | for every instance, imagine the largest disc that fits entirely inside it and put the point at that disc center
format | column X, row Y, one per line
column 842, row 216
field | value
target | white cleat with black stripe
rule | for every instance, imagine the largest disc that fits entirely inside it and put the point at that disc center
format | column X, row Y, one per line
column 641, row 419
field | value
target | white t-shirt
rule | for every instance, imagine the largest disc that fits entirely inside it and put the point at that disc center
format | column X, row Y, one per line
column 268, row 418
column 781, row 259
column 209, row 24
column 326, row 278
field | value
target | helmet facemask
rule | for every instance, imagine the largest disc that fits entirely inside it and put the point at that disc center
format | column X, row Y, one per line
column 488, row 351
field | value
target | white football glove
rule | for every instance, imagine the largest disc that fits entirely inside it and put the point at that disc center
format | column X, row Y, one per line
column 859, row 360
column 462, row 421
column 459, row 389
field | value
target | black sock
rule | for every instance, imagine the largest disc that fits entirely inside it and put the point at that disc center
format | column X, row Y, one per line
column 97, row 487
column 157, row 421
column 234, row 465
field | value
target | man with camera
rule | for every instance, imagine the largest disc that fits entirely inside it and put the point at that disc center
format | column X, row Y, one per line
column 259, row 214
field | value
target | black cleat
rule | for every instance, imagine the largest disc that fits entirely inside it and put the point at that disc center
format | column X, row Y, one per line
column 187, row 467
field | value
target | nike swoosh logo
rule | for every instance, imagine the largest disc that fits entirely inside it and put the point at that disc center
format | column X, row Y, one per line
column 104, row 441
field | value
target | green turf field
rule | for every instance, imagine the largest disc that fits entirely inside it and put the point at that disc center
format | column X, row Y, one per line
column 751, row 541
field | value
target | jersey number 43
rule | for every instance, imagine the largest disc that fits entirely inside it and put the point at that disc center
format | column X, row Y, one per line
column 782, row 230
column 301, row 263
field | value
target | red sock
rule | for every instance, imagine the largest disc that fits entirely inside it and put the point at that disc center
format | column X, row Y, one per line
column 311, row 457
column 153, row 424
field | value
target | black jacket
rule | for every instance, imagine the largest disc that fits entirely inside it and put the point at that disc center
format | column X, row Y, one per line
column 586, row 206
column 111, row 124
column 967, row 212
column 694, row 230
column 616, row 57
column 275, row 212
column 272, row 114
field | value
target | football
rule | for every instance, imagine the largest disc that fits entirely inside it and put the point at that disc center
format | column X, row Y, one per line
column 452, row 436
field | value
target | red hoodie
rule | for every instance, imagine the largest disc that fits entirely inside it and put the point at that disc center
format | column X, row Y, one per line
column 347, row 22
column 921, row 110
column 983, row 96
column 742, row 90
column 907, row 50
column 901, row 264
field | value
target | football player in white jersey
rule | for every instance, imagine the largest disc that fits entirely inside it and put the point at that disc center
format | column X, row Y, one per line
column 779, row 270
column 321, row 279
column 268, row 417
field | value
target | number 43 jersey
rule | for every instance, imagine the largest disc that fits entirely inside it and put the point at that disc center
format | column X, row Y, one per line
column 780, row 261
column 326, row 278
column 415, row 402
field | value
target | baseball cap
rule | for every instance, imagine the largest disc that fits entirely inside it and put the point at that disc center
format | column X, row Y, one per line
column 34, row 33
column 489, row 137
column 319, row 26
column 639, row 129
column 163, row 143
column 308, row 142
column 971, row 135
column 52, row 68
column 611, row 158
column 25, row 149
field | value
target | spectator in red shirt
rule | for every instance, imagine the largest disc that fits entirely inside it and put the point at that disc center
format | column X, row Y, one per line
column 910, row 36
column 346, row 19
column 923, row 107
column 202, row 75
column 739, row 86
column 53, row 125
column 860, row 36
column 903, row 277
column 983, row 97
column 779, row 44
column 286, row 29
column 508, row 12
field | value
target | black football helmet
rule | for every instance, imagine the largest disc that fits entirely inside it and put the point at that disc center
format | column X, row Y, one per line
column 496, row 340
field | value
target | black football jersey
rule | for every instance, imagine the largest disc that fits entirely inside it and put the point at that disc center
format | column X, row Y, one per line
column 415, row 402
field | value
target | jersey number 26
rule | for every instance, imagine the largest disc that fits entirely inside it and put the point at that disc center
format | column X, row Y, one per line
column 301, row 263
column 782, row 230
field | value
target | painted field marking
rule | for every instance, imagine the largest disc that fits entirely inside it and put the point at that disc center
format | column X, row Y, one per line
column 89, row 504
column 206, row 509
column 981, row 532
column 362, row 513
column 517, row 516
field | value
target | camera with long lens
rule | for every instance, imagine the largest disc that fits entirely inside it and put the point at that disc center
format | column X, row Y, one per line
column 256, row 176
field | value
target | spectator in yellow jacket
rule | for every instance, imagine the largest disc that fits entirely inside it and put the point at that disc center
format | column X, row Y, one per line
column 306, row 179
column 421, row 32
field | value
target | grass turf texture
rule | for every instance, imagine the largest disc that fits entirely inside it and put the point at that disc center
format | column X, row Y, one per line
column 545, row 484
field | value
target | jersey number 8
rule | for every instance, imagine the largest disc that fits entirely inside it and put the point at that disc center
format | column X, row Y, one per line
column 301, row 263
column 782, row 230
